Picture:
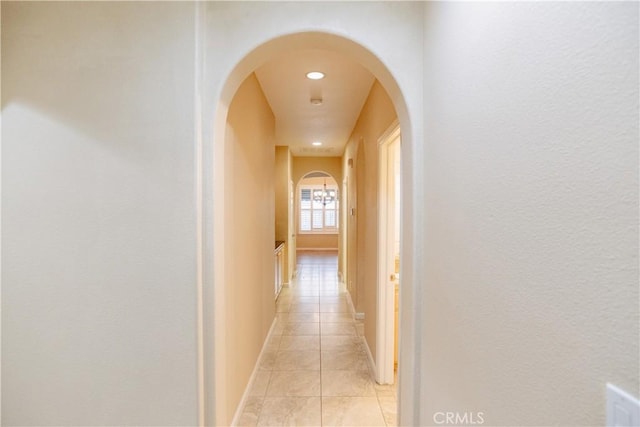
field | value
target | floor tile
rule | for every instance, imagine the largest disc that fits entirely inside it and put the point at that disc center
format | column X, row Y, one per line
column 341, row 342
column 328, row 299
column 282, row 307
column 385, row 390
column 389, row 406
column 338, row 329
column 301, row 328
column 331, row 307
column 274, row 343
column 294, row 383
column 315, row 368
column 347, row 383
column 304, row 308
column 260, row 383
column 268, row 360
column 251, row 412
column 306, row 300
column 290, row 411
column 336, row 318
column 300, row 342
column 344, row 360
column 351, row 411
column 297, row 360
column 284, row 297
column 300, row 317
column 306, row 292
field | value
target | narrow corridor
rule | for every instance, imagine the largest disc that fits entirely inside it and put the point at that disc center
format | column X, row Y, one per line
column 315, row 368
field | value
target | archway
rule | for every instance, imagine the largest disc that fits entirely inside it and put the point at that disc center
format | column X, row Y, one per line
column 213, row 231
column 317, row 208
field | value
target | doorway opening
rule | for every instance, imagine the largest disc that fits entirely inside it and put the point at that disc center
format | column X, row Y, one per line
column 218, row 357
column 389, row 243
column 317, row 213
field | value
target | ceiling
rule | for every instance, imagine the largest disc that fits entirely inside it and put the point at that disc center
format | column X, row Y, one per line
column 343, row 90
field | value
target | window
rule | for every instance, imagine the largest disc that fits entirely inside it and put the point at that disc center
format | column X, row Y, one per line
column 318, row 209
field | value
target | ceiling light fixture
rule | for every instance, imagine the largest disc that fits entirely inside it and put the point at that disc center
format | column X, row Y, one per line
column 315, row 75
column 316, row 143
column 316, row 101
column 324, row 196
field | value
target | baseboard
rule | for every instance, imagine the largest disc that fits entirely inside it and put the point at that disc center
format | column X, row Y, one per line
column 316, row 249
column 372, row 363
column 360, row 316
column 352, row 309
column 256, row 368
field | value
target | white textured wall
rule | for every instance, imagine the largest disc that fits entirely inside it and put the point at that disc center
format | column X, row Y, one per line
column 531, row 172
column 98, row 217
column 530, row 221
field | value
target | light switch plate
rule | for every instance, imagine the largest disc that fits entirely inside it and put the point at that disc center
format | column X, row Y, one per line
column 623, row 410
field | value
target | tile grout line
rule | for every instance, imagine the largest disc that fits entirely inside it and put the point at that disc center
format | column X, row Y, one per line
column 320, row 351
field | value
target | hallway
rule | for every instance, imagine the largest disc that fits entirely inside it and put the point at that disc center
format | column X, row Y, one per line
column 314, row 369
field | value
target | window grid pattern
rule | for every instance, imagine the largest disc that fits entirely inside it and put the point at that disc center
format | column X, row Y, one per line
column 316, row 216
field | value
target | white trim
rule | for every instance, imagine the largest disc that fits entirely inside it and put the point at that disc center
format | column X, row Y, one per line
column 385, row 288
column 252, row 378
column 372, row 363
column 358, row 317
column 392, row 132
column 352, row 308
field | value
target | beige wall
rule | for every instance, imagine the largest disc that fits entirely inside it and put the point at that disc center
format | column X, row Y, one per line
column 281, row 184
column 349, row 235
column 317, row 241
column 304, row 165
column 376, row 117
column 250, row 218
column 98, row 214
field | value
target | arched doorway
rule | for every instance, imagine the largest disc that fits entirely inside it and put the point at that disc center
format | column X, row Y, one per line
column 317, row 212
column 212, row 225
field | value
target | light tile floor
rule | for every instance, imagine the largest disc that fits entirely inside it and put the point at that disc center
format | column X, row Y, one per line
column 314, row 370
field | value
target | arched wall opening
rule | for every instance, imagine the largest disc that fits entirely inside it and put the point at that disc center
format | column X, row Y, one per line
column 214, row 360
column 320, row 230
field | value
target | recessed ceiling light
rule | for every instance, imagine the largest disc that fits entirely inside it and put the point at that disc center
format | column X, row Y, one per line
column 315, row 75
column 316, row 143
